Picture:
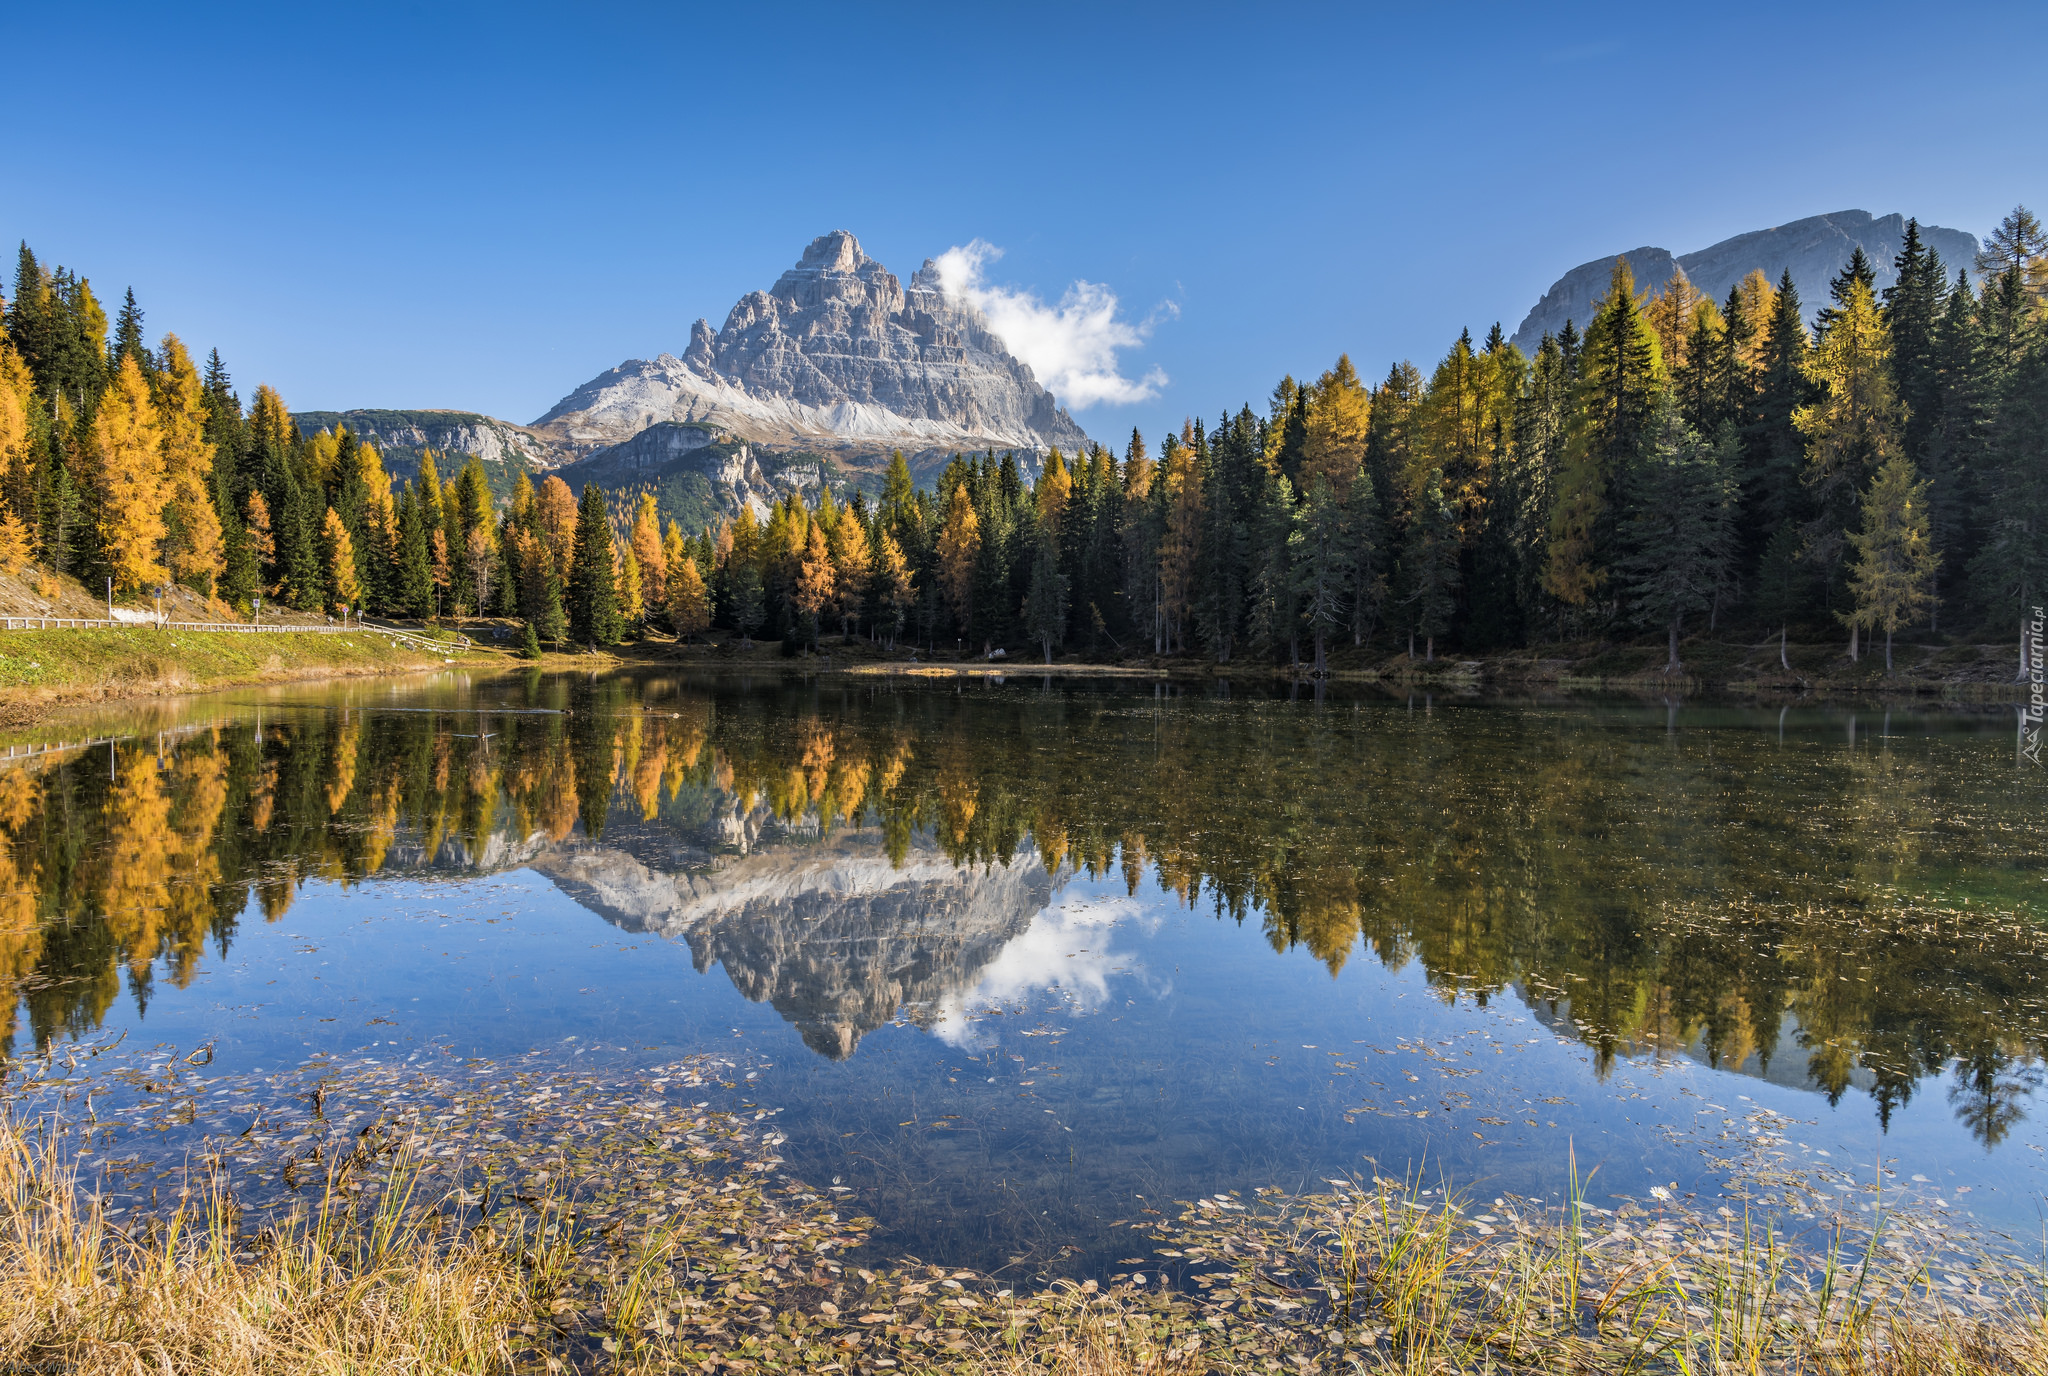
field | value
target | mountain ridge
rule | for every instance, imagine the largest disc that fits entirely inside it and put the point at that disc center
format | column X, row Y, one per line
column 1815, row 249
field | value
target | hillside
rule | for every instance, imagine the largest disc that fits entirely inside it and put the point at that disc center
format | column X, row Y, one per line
column 506, row 450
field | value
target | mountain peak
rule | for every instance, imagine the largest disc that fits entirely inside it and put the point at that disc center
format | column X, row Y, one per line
column 836, row 356
column 838, row 251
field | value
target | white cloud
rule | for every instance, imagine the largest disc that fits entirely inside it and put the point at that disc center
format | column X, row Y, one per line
column 1070, row 946
column 1072, row 347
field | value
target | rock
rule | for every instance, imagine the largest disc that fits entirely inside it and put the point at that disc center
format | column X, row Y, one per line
column 837, row 356
column 1815, row 249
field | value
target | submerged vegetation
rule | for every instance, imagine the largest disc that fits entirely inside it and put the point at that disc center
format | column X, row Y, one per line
column 510, row 1219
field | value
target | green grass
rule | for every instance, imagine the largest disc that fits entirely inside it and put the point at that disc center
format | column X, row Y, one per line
column 87, row 665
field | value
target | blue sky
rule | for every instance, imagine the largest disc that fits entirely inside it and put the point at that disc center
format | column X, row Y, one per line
column 481, row 206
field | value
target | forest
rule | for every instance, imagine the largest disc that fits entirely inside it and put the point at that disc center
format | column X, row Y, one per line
column 1678, row 466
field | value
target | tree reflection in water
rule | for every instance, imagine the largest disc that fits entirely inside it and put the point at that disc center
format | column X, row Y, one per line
column 1861, row 903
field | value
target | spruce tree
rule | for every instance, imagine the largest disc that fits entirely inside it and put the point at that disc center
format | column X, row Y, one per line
column 1678, row 547
column 1429, row 565
column 1045, row 603
column 128, row 339
column 594, row 617
column 1321, row 562
column 415, row 591
column 1773, row 449
column 1912, row 314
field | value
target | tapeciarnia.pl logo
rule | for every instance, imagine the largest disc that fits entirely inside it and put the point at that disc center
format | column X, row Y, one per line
column 2037, row 690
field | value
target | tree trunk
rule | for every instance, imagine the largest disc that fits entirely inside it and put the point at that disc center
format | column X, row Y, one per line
column 1887, row 649
column 1783, row 662
column 1671, row 664
column 1048, row 651
column 1429, row 650
column 1322, row 657
column 1411, row 647
column 1854, row 656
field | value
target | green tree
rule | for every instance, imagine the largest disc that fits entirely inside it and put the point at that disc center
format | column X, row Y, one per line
column 1894, row 566
column 1045, row 604
column 1678, row 548
column 1621, row 380
column 1322, row 563
column 594, row 617
column 1429, row 566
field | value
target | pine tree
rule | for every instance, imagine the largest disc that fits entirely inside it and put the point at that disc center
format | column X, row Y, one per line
column 593, row 596
column 338, row 554
column 1893, row 573
column 414, row 593
column 1621, row 380
column 1912, row 316
column 1321, row 563
column 1045, row 604
column 128, row 340
column 1678, row 548
column 1774, row 452
column 1781, row 583
column 1429, row 566
column 1365, row 534
column 2010, row 570
column 127, row 445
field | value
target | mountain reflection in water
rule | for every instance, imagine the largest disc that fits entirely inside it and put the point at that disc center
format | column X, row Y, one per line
column 1818, row 908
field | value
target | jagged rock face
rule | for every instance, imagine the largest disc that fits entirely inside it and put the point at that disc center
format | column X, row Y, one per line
column 836, row 355
column 833, row 934
column 1814, row 249
column 401, row 435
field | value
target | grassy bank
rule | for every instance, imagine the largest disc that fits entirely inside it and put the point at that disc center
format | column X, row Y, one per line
column 662, row 1238
column 73, row 666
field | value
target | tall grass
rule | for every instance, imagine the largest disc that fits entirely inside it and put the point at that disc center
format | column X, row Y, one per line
column 1381, row 1277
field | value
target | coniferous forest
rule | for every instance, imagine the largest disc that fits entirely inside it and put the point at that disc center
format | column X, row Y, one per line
column 1675, row 466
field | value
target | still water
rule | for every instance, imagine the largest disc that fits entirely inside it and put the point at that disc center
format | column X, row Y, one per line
column 1017, row 961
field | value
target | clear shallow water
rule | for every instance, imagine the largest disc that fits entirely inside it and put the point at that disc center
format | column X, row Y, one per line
column 1020, row 960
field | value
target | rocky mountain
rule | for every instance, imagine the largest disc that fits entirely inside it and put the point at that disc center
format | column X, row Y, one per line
column 699, row 475
column 839, row 356
column 1814, row 249
column 506, row 450
column 830, row 930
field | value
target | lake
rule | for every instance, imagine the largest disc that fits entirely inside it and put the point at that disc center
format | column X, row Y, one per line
column 1012, row 961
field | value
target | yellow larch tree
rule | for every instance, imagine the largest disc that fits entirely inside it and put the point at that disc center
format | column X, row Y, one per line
column 851, row 561
column 815, row 585
column 648, row 550
column 1670, row 317
column 1339, row 409
column 1055, row 488
column 959, row 546
column 555, row 513
column 128, row 458
column 340, row 555
column 689, row 606
column 192, row 540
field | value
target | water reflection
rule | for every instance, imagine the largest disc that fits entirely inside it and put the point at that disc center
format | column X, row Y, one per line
column 1825, row 904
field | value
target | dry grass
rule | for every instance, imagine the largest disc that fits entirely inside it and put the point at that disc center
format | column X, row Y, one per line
column 1376, row 1278
column 329, row 1291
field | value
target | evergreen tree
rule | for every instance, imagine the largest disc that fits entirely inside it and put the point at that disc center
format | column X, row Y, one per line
column 2016, row 245
column 1621, row 381
column 1773, row 449
column 1678, row 546
column 1365, row 535
column 415, row 582
column 128, row 340
column 1045, row 604
column 1429, row 565
column 1912, row 316
column 1894, row 565
column 896, row 584
column 2011, row 569
column 594, row 617
column 1781, row 587
column 1322, row 565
